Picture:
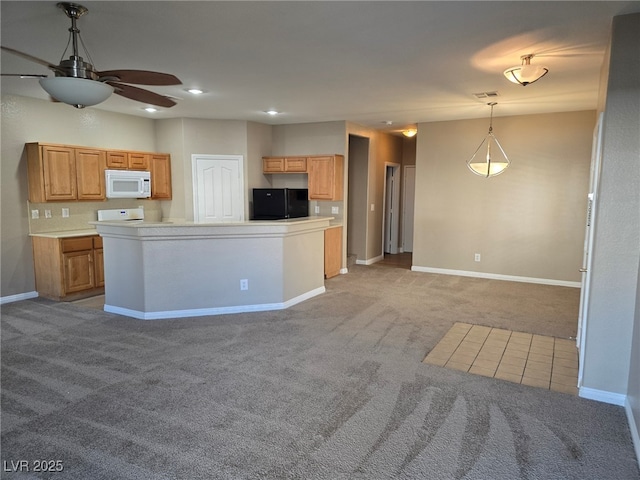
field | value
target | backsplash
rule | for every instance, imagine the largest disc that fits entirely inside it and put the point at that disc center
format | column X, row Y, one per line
column 81, row 213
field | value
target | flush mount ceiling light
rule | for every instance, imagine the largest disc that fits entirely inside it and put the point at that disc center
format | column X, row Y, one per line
column 526, row 73
column 272, row 112
column 485, row 165
column 195, row 91
column 410, row 132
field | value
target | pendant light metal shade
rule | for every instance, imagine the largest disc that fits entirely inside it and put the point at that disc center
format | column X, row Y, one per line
column 489, row 159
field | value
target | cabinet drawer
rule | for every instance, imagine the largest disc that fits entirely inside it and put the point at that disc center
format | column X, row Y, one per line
column 97, row 241
column 77, row 244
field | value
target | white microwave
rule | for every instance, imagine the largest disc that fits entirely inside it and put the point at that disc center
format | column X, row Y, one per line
column 128, row 184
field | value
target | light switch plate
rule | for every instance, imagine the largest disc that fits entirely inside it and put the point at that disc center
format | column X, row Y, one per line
column 335, row 210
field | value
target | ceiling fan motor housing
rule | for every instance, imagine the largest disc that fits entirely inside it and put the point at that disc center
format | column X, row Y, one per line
column 76, row 67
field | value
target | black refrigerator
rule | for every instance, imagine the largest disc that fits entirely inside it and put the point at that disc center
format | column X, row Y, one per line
column 278, row 203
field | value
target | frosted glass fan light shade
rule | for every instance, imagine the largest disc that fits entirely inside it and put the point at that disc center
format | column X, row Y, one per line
column 78, row 92
column 488, row 161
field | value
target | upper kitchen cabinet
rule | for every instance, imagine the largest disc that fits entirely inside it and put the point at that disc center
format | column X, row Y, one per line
column 63, row 173
column 326, row 177
column 284, row 164
column 90, row 167
column 123, row 160
column 52, row 172
column 139, row 161
column 160, row 176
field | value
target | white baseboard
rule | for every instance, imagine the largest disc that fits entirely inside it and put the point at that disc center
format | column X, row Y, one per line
column 602, row 396
column 18, row 297
column 200, row 312
column 633, row 426
column 496, row 276
column 370, row 261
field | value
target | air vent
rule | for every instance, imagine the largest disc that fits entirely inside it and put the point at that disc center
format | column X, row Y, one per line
column 486, row 95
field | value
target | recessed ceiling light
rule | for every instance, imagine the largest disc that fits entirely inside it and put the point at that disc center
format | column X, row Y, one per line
column 151, row 109
column 272, row 112
column 195, row 91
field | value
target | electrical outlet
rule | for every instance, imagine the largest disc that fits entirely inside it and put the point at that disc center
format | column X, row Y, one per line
column 317, row 210
column 244, row 284
column 35, row 213
column 335, row 210
column 65, row 213
column 47, row 213
column 477, row 257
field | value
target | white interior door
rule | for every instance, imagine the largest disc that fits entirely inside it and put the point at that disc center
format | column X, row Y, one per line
column 588, row 242
column 218, row 188
column 409, row 193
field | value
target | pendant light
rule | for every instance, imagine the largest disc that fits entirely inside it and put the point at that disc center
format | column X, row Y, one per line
column 485, row 165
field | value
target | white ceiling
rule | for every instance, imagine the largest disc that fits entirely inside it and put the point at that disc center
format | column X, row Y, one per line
column 365, row 62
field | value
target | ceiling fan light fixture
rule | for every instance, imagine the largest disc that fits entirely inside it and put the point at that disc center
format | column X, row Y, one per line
column 526, row 73
column 78, row 92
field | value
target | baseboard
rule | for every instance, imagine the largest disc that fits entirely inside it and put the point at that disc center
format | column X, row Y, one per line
column 200, row 312
column 602, row 396
column 496, row 276
column 370, row 261
column 633, row 426
column 18, row 297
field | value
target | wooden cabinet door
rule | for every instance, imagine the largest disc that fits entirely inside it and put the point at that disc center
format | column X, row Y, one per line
column 138, row 161
column 59, row 168
column 117, row 160
column 98, row 263
column 321, row 181
column 295, row 164
column 325, row 177
column 332, row 251
column 160, row 177
column 272, row 164
column 78, row 271
column 90, row 167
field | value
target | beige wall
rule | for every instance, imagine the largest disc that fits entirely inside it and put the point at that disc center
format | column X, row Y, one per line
column 609, row 344
column 31, row 120
column 527, row 222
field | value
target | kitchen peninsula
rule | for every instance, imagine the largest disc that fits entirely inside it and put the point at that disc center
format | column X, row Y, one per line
column 165, row 270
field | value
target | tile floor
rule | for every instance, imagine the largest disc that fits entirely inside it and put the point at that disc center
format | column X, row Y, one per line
column 525, row 358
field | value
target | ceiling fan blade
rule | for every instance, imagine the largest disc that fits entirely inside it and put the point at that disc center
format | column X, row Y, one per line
column 141, row 77
column 141, row 95
column 23, row 75
column 55, row 68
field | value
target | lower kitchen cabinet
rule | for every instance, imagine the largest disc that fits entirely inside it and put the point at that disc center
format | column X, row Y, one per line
column 68, row 268
column 332, row 251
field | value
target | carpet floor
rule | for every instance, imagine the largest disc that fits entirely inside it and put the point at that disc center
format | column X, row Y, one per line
column 332, row 388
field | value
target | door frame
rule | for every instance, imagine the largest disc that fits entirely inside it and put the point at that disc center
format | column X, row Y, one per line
column 408, row 213
column 394, row 224
column 592, row 203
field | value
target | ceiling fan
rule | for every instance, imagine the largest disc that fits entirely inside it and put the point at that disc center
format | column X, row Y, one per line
column 78, row 83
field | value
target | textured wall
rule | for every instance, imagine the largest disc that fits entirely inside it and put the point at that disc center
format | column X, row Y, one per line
column 31, row 120
column 614, row 273
column 528, row 221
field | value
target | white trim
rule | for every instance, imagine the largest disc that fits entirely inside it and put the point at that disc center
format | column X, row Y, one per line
column 602, row 396
column 633, row 426
column 370, row 261
column 343, row 271
column 200, row 312
column 17, row 297
column 496, row 276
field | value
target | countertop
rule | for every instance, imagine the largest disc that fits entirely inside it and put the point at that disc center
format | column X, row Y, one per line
column 92, row 231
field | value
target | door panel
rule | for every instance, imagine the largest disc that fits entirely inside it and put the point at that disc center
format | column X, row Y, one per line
column 218, row 188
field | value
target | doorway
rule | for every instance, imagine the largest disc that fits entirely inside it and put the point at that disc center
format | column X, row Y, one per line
column 357, row 200
column 391, row 228
column 218, row 188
